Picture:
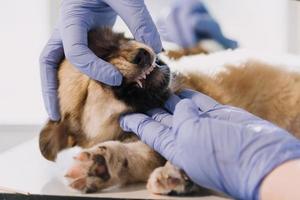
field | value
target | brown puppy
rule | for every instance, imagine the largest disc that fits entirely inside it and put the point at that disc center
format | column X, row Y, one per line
column 90, row 112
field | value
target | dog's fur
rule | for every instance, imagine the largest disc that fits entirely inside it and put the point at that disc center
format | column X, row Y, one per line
column 90, row 112
column 268, row 92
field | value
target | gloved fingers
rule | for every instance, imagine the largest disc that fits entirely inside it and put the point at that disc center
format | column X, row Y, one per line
column 179, row 30
column 75, row 41
column 50, row 58
column 161, row 116
column 175, row 27
column 152, row 132
column 162, row 28
column 171, row 103
column 229, row 44
column 53, row 51
column 216, row 110
column 141, row 124
column 136, row 16
column 185, row 110
column 206, row 25
column 204, row 102
column 51, row 102
column 224, row 41
column 235, row 115
column 191, row 10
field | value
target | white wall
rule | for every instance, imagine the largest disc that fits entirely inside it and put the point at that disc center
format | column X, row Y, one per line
column 294, row 26
column 23, row 32
column 257, row 24
column 25, row 28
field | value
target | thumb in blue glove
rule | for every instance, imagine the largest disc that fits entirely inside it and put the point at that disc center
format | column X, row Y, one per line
column 70, row 39
column 219, row 147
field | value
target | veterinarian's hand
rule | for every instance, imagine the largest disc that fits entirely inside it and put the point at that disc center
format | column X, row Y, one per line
column 70, row 39
column 220, row 147
column 189, row 22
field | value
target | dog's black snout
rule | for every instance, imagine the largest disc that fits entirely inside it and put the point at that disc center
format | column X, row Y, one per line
column 142, row 58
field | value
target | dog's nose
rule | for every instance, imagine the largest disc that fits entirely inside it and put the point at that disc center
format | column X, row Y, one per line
column 142, row 58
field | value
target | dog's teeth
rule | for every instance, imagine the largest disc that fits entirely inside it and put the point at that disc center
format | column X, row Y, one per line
column 144, row 76
column 139, row 83
column 149, row 70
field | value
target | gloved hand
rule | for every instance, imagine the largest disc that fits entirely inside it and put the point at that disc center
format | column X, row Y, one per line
column 219, row 147
column 69, row 38
column 189, row 22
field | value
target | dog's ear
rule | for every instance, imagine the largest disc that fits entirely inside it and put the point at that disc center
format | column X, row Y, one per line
column 54, row 138
column 105, row 43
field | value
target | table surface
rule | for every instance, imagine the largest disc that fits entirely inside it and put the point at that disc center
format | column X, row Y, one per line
column 24, row 170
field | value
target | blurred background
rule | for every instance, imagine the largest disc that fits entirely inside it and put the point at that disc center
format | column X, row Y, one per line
column 262, row 25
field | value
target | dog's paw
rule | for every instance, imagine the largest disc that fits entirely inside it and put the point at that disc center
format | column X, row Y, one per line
column 169, row 180
column 98, row 168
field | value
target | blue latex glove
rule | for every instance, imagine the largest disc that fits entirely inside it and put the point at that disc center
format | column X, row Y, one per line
column 189, row 22
column 69, row 39
column 219, row 147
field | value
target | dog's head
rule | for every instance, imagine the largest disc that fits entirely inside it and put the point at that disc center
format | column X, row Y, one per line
column 144, row 86
column 145, row 78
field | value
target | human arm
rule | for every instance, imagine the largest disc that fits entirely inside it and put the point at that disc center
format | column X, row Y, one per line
column 282, row 183
column 69, row 40
column 219, row 147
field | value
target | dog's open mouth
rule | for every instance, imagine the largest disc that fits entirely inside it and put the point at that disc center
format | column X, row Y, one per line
column 157, row 74
column 149, row 88
column 145, row 75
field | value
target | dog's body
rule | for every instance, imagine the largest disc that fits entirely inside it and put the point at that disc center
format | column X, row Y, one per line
column 90, row 112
